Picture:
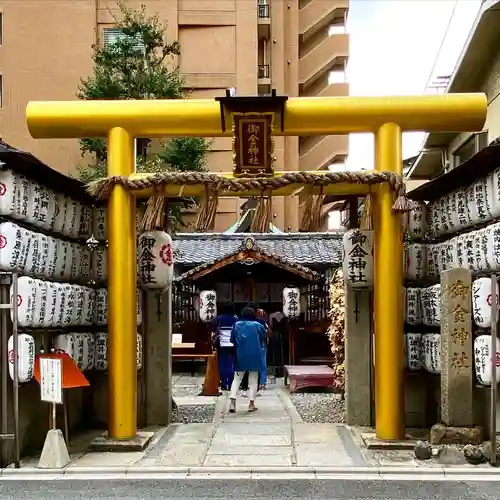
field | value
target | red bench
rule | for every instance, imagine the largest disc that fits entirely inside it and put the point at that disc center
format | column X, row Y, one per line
column 302, row 376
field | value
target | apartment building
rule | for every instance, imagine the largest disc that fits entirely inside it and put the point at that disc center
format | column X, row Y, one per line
column 477, row 70
column 298, row 47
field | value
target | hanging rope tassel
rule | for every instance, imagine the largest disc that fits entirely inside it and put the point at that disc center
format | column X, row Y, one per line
column 317, row 210
column 154, row 214
column 367, row 215
column 307, row 215
column 262, row 216
column 208, row 209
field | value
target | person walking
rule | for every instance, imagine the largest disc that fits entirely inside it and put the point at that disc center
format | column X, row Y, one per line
column 225, row 350
column 248, row 336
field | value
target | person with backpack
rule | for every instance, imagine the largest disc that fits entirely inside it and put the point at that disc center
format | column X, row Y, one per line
column 224, row 323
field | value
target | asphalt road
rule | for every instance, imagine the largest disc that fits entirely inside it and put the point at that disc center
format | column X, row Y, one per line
column 204, row 489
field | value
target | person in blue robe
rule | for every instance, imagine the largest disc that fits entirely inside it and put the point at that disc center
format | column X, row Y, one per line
column 248, row 337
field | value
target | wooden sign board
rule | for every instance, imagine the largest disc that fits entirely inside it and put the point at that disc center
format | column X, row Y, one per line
column 253, row 144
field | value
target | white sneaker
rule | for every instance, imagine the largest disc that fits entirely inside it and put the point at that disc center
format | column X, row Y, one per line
column 243, row 394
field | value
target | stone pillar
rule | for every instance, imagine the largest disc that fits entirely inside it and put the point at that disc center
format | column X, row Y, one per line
column 158, row 358
column 358, row 357
column 457, row 354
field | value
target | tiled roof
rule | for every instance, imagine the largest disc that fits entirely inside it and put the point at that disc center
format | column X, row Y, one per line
column 301, row 248
column 250, row 250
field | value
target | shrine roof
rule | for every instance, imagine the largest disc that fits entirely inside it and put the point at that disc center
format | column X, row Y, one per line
column 299, row 248
column 250, row 251
column 27, row 164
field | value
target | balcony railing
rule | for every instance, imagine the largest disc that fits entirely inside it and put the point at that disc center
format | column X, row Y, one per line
column 263, row 70
column 264, row 11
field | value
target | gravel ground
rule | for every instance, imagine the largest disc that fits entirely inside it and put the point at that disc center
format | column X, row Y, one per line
column 194, row 414
column 319, row 408
column 186, row 390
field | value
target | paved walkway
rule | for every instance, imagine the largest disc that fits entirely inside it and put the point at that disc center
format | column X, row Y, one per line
column 273, row 436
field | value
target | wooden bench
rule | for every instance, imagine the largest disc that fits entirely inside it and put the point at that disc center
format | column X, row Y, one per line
column 302, row 376
column 211, row 383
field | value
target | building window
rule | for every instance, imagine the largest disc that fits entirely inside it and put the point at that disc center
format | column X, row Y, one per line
column 470, row 147
column 1, row 28
column 113, row 35
column 1, row 90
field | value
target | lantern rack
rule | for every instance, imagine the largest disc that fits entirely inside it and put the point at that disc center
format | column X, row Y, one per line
column 8, row 279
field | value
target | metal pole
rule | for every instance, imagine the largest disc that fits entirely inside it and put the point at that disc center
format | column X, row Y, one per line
column 15, row 395
column 4, row 363
column 493, row 387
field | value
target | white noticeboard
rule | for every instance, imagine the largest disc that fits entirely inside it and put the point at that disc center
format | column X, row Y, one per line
column 51, row 380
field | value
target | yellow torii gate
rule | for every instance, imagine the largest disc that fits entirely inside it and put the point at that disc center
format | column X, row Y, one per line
column 386, row 117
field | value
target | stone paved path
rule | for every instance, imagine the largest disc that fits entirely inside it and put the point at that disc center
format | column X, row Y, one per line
column 273, row 436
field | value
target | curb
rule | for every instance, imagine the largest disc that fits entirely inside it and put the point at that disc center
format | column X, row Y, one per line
column 327, row 473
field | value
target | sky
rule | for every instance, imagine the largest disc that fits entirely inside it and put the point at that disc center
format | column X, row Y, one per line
column 394, row 45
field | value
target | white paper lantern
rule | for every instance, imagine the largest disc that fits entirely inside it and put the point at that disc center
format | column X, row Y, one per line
column 25, row 357
column 431, row 348
column 60, row 304
column 90, row 351
column 47, row 207
column 69, row 293
column 208, row 305
column 66, row 343
column 72, row 220
column 60, row 209
column 51, row 303
column 40, row 302
column 32, row 259
column 417, row 221
column 21, row 198
column 64, row 260
column 155, row 259
column 85, row 229
column 416, row 261
column 84, row 267
column 291, row 302
column 75, row 260
column 101, row 351
column 480, row 249
column 453, row 202
column 52, row 257
column 88, row 306
column 413, row 306
column 100, row 227
column 482, row 359
column 433, row 220
column 432, row 265
column 481, row 302
column 430, row 298
column 494, row 246
column 444, row 214
column 139, row 308
column 413, row 351
column 11, row 246
column 7, row 192
column 80, row 351
column 78, row 307
column 26, row 301
column 139, row 351
column 100, row 264
column 358, row 258
column 35, row 202
column 101, row 307
column 483, row 197
column 43, row 256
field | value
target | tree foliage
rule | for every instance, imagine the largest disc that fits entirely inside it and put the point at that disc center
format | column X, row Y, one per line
column 140, row 64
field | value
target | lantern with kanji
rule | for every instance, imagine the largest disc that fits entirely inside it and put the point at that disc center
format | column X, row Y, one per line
column 482, row 359
column 358, row 258
column 155, row 259
column 208, row 305
column 25, row 357
column 291, row 302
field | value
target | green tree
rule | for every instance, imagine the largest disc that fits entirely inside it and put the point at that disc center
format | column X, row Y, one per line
column 138, row 64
